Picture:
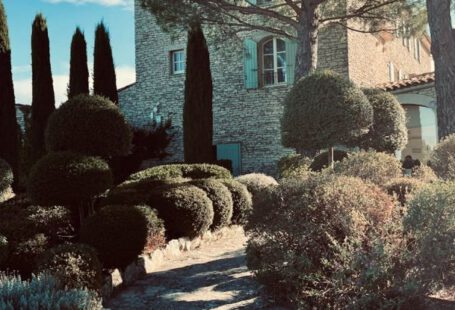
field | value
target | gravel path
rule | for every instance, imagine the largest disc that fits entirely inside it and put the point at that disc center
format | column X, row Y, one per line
column 213, row 277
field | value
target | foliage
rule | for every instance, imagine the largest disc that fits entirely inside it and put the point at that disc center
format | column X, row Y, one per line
column 4, row 250
column 294, row 165
column 79, row 75
column 322, row 160
column 6, row 176
column 323, row 110
column 24, row 254
column 43, row 292
column 75, row 265
column 378, row 168
column 403, row 188
column 155, row 229
column 442, row 158
column 68, row 178
column 257, row 182
column 221, row 200
column 118, row 233
column 424, row 173
column 89, row 125
column 243, row 203
column 388, row 132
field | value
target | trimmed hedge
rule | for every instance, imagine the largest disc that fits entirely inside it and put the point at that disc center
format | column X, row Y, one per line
column 221, row 199
column 442, row 158
column 75, row 265
column 118, row 233
column 155, row 229
column 256, row 183
column 185, row 209
column 294, row 166
column 403, row 188
column 4, row 250
column 242, row 199
column 6, row 176
column 24, row 254
column 322, row 160
column 68, row 178
column 190, row 171
column 424, row 173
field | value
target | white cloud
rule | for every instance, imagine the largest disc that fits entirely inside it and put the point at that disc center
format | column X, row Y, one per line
column 123, row 3
column 126, row 75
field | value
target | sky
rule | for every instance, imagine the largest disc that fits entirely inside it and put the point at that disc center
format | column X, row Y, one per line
column 63, row 16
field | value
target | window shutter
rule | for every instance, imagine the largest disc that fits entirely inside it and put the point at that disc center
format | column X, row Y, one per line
column 250, row 64
column 291, row 54
column 252, row 2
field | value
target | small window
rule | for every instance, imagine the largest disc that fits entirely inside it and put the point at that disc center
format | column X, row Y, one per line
column 417, row 49
column 391, row 72
column 274, row 63
column 178, row 62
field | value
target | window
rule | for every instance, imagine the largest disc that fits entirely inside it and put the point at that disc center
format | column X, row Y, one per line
column 178, row 62
column 417, row 49
column 274, row 64
column 391, row 72
column 264, row 2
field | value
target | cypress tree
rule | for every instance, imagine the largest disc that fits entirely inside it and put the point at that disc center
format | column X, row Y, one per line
column 78, row 66
column 9, row 144
column 197, row 112
column 104, row 80
column 43, row 100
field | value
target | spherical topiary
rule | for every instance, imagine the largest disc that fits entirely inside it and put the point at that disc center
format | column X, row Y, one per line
column 378, row 168
column 118, row 233
column 323, row 110
column 257, row 182
column 90, row 125
column 185, row 209
column 6, row 176
column 68, row 178
column 402, row 188
column 4, row 250
column 242, row 199
column 190, row 171
column 442, row 158
column 424, row 174
column 75, row 265
column 221, row 199
column 155, row 228
column 294, row 165
column 322, row 160
column 388, row 133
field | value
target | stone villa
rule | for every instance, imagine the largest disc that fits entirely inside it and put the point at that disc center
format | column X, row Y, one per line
column 252, row 77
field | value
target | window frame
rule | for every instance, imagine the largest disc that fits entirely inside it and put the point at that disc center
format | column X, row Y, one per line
column 276, row 68
column 174, row 62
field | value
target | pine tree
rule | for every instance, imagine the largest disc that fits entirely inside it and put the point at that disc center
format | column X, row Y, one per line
column 197, row 114
column 78, row 66
column 9, row 143
column 104, row 80
column 43, row 100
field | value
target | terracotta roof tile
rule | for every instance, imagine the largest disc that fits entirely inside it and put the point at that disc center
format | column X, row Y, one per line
column 415, row 80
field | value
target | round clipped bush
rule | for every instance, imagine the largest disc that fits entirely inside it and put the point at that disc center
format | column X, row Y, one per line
column 90, row 125
column 4, row 250
column 221, row 199
column 322, row 160
column 6, row 176
column 190, row 171
column 442, row 158
column 424, row 173
column 403, row 188
column 185, row 209
column 294, row 165
column 118, row 233
column 24, row 253
column 68, row 178
column 242, row 199
column 75, row 265
column 256, row 183
column 155, row 229
column 378, row 168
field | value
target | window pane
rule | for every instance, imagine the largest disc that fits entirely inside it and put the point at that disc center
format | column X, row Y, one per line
column 268, row 47
column 268, row 62
column 269, row 77
column 281, row 46
column 281, row 61
column 281, row 75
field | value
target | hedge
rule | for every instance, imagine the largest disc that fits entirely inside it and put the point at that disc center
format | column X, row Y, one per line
column 190, row 171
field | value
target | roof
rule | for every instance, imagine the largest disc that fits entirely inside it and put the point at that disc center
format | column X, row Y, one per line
column 126, row 87
column 413, row 81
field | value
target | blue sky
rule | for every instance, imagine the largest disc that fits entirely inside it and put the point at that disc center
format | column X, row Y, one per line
column 63, row 16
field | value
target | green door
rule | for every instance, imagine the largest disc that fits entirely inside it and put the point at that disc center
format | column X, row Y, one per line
column 230, row 152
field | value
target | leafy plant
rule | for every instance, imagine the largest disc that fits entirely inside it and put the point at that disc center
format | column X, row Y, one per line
column 242, row 199
column 442, row 158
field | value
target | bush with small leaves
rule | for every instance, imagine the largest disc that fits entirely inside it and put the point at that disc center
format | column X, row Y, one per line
column 4, row 250
column 294, row 165
column 90, row 125
column 118, row 233
column 442, row 158
column 185, row 209
column 221, row 199
column 24, row 254
column 257, row 182
column 424, row 174
column 189, row 171
column 403, row 188
column 6, row 176
column 155, row 229
column 75, row 265
column 322, row 160
column 242, row 199
column 68, row 178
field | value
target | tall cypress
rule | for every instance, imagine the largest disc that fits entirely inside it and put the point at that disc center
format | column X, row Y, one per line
column 104, row 80
column 9, row 144
column 78, row 66
column 43, row 100
column 197, row 112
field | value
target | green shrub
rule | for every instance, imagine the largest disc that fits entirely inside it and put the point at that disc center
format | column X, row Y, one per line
column 221, row 200
column 24, row 254
column 403, row 188
column 193, row 171
column 75, row 265
column 442, row 158
column 322, row 160
column 424, row 174
column 155, row 229
column 43, row 292
column 430, row 224
column 256, row 183
column 89, row 125
column 185, row 209
column 6, row 176
column 68, row 178
column 243, row 203
column 118, row 233
column 378, row 168
column 294, row 165
column 4, row 250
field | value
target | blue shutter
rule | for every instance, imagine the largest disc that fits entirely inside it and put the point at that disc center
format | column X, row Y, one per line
column 252, row 1
column 291, row 54
column 250, row 64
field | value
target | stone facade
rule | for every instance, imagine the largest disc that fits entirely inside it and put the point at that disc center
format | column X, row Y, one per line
column 249, row 117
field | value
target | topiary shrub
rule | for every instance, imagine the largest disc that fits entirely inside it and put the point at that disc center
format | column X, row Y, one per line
column 4, row 250
column 68, row 178
column 90, row 125
column 24, row 254
column 118, row 233
column 155, row 229
column 322, row 160
column 6, row 176
column 243, row 203
column 403, row 188
column 378, row 168
column 294, row 165
column 185, row 209
column 424, row 174
column 442, row 158
column 256, row 183
column 221, row 200
column 75, row 265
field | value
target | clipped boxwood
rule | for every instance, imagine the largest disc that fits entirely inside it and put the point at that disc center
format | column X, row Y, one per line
column 24, row 254
column 294, row 165
column 155, row 229
column 322, row 160
column 242, row 199
column 89, row 125
column 402, row 188
column 185, row 209
column 75, row 265
column 221, row 199
column 190, row 171
column 257, row 182
column 68, row 178
column 118, row 233
column 4, row 250
column 6, row 176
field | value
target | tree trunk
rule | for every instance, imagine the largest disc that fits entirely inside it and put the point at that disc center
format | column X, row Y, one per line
column 443, row 49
